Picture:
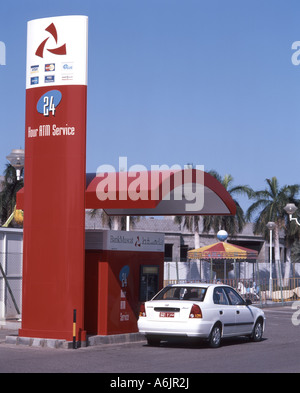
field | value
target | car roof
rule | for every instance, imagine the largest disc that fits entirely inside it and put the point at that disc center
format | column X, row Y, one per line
column 198, row 284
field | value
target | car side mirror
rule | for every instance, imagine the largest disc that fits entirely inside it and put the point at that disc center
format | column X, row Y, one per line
column 248, row 302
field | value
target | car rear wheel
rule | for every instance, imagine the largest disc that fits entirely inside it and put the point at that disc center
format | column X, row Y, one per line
column 215, row 337
column 153, row 341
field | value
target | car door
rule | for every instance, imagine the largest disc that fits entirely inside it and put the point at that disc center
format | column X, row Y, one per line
column 244, row 318
column 226, row 312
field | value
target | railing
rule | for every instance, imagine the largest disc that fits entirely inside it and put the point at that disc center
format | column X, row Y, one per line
column 10, row 285
column 257, row 292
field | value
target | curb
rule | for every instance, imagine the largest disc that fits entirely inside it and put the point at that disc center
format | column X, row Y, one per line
column 63, row 344
column 115, row 339
column 37, row 342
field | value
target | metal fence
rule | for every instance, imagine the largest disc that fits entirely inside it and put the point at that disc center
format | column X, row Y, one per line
column 10, row 285
column 260, row 292
column 257, row 289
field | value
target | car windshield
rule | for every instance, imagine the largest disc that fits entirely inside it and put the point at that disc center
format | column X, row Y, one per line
column 181, row 293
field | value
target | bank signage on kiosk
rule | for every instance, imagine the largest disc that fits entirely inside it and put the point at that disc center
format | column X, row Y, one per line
column 55, row 159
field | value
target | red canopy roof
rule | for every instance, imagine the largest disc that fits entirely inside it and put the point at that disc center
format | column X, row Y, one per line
column 155, row 193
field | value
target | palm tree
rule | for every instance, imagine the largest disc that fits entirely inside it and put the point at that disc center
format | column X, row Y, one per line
column 9, row 188
column 295, row 252
column 190, row 222
column 113, row 222
column 269, row 206
column 231, row 224
column 192, row 225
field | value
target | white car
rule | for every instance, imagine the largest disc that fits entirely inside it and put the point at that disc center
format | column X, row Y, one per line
column 205, row 311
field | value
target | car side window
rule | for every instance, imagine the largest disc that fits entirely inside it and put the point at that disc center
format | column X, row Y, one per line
column 220, row 297
column 234, row 297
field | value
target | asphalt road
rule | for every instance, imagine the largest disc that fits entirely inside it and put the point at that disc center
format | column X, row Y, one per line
column 279, row 352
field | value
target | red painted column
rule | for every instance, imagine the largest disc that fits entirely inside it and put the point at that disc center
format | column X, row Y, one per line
column 55, row 161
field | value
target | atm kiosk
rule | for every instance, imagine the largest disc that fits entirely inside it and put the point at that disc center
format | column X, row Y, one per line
column 122, row 269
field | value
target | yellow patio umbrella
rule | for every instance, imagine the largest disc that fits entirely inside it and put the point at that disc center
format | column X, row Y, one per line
column 222, row 250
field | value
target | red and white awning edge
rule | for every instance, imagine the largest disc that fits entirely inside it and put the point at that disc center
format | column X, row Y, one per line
column 168, row 192
column 155, row 193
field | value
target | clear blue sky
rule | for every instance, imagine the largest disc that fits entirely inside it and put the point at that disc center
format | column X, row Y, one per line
column 207, row 82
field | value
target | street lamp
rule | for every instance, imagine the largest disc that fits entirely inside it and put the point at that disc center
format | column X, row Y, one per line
column 271, row 226
column 290, row 208
column 16, row 159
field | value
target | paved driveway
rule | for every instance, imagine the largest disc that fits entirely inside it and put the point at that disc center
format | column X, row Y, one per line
column 278, row 352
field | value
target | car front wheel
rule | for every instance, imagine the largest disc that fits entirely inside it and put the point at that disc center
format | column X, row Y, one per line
column 257, row 331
